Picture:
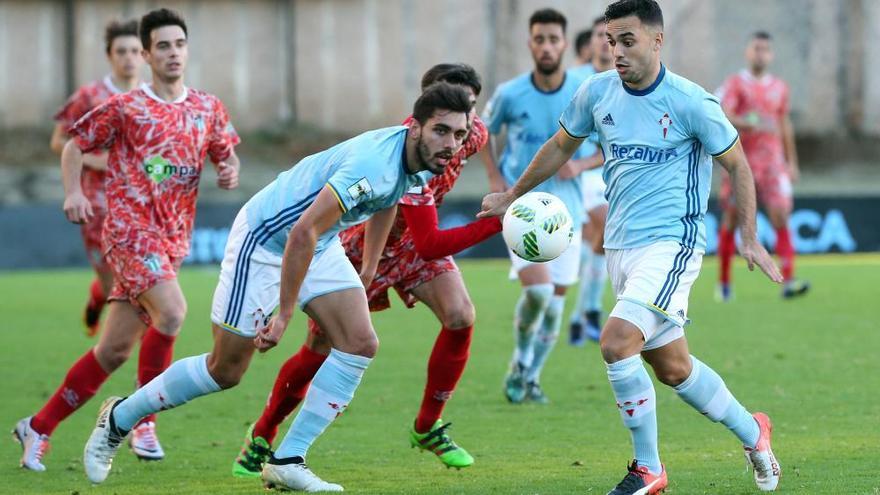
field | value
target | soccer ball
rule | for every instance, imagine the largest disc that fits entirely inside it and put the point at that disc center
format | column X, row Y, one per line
column 537, row 227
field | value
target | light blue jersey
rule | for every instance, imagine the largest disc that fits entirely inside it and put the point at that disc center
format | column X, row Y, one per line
column 366, row 173
column 658, row 145
column 531, row 117
column 582, row 72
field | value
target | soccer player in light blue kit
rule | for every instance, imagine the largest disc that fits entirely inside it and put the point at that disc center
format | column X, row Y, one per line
column 529, row 107
column 283, row 248
column 659, row 133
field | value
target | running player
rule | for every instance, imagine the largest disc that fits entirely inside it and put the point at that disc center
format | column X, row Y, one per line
column 666, row 132
column 284, row 248
column 417, row 263
column 756, row 103
column 585, row 322
column 123, row 49
column 158, row 137
column 529, row 107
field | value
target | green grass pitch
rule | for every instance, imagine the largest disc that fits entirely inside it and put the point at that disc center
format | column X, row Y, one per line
column 811, row 364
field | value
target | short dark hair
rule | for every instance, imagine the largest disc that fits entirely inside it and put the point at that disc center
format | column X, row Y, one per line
column 548, row 16
column 582, row 39
column 647, row 11
column 117, row 29
column 462, row 74
column 762, row 35
column 441, row 96
column 159, row 18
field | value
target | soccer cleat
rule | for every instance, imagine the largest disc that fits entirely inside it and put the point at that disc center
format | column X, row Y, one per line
column 145, row 444
column 761, row 458
column 103, row 443
column 576, row 336
column 293, row 474
column 723, row 293
column 640, row 481
column 91, row 319
column 794, row 288
column 254, row 454
column 594, row 325
column 535, row 393
column 33, row 445
column 515, row 384
column 437, row 441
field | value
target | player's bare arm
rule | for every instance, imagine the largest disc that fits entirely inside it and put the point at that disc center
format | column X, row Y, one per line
column 376, row 232
column 734, row 161
column 77, row 208
column 227, row 172
column 550, row 158
column 298, row 254
column 97, row 161
column 490, row 161
column 791, row 157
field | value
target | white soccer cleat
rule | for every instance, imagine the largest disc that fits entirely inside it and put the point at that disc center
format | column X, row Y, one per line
column 34, row 445
column 102, row 445
column 144, row 442
column 761, row 458
column 295, row 476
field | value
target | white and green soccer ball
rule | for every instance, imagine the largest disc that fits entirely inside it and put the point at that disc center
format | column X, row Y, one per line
column 538, row 227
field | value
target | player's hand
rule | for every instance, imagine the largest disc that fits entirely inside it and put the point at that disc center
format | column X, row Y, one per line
column 495, row 204
column 794, row 172
column 367, row 276
column 569, row 171
column 77, row 208
column 227, row 176
column 497, row 185
column 269, row 336
column 755, row 254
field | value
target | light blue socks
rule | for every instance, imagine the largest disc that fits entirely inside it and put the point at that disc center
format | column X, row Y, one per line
column 546, row 337
column 636, row 401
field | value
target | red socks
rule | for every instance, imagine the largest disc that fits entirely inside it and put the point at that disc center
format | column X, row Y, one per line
column 447, row 362
column 155, row 356
column 289, row 390
column 97, row 298
column 726, row 252
column 81, row 383
column 785, row 251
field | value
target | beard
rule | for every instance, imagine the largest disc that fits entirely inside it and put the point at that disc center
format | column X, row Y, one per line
column 425, row 157
column 547, row 68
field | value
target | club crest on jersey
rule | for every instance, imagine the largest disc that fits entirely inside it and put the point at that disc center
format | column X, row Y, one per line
column 200, row 122
column 360, row 189
column 665, row 123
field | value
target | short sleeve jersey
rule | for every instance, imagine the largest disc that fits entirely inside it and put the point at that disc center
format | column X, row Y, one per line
column 658, row 145
column 530, row 116
column 366, row 173
column 762, row 101
column 156, row 152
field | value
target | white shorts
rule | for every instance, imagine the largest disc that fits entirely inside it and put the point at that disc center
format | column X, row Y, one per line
column 250, row 280
column 593, row 188
column 564, row 270
column 652, row 284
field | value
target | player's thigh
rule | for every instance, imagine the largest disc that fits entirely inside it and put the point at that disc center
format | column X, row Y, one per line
column 344, row 317
column 316, row 339
column 448, row 298
column 166, row 305
column 123, row 328
column 671, row 362
column 230, row 357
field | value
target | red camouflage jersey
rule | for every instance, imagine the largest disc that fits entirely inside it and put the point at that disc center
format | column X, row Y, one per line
column 400, row 262
column 761, row 101
column 156, row 152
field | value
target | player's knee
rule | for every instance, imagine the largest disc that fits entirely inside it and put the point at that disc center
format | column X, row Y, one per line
column 169, row 320
column 538, row 295
column 111, row 357
column 617, row 344
column 672, row 372
column 461, row 315
column 364, row 344
column 226, row 374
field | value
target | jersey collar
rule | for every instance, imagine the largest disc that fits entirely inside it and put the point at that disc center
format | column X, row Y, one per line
column 650, row 89
column 539, row 90
column 108, row 83
column 149, row 91
column 748, row 76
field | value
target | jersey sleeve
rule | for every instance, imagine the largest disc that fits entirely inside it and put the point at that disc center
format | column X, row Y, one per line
column 75, row 107
column 577, row 119
column 223, row 136
column 97, row 129
column 355, row 182
column 710, row 125
column 494, row 115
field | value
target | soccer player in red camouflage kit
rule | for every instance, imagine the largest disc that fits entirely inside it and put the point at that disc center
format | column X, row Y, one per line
column 756, row 103
column 158, row 137
column 417, row 263
column 123, row 49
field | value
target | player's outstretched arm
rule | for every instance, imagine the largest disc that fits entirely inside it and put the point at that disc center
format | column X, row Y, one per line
column 490, row 162
column 550, row 158
column 298, row 254
column 734, row 161
column 376, row 233
column 77, row 208
column 432, row 243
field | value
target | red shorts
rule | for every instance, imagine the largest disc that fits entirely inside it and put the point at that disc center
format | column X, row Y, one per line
column 138, row 265
column 93, row 188
column 772, row 187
